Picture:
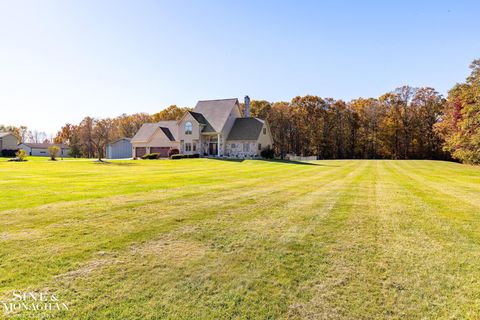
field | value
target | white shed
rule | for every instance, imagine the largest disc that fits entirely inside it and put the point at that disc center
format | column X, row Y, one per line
column 120, row 149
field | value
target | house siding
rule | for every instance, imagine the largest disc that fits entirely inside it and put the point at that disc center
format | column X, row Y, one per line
column 265, row 139
column 194, row 139
column 8, row 142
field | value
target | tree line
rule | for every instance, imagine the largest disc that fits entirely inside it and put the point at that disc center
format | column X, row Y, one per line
column 407, row 123
column 397, row 125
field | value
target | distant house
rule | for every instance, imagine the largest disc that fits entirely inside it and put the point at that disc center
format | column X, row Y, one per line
column 214, row 128
column 119, row 149
column 41, row 149
column 8, row 141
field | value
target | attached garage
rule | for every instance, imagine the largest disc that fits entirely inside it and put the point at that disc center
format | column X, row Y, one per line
column 163, row 151
column 140, row 151
column 155, row 138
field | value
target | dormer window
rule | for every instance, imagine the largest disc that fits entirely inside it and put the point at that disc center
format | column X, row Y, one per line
column 188, row 127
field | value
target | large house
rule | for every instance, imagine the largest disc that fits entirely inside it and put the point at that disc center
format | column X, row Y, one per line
column 214, row 128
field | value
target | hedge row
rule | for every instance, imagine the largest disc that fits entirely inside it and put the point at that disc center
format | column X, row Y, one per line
column 9, row 153
column 154, row 155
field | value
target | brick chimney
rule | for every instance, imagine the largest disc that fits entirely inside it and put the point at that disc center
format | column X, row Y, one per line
column 246, row 108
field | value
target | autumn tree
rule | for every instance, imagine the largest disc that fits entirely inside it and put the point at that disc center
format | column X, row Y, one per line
column 128, row 125
column 171, row 113
column 460, row 122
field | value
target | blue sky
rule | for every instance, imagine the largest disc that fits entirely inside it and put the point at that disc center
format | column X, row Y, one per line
column 63, row 60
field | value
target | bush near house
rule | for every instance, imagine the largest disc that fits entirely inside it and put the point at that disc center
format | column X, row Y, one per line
column 185, row 156
column 151, row 156
column 267, row 153
column 20, row 155
column 172, row 152
column 53, row 152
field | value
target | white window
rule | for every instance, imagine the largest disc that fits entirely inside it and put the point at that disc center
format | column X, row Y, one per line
column 233, row 145
column 188, row 127
column 259, row 146
column 194, row 147
column 188, row 146
column 246, row 147
column 264, row 130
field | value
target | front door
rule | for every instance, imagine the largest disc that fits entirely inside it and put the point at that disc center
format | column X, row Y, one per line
column 212, row 150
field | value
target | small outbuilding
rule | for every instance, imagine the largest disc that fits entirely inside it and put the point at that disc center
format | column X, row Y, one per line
column 120, row 149
column 41, row 149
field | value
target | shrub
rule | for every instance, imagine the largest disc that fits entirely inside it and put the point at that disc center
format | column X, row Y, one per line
column 178, row 156
column 75, row 151
column 267, row 153
column 53, row 152
column 21, row 155
column 172, row 152
column 154, row 155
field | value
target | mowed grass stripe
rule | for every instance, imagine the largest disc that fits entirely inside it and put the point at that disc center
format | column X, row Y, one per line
column 46, row 185
column 106, row 227
column 432, row 266
column 443, row 183
column 238, row 252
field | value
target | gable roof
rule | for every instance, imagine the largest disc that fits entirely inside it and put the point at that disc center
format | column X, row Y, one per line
column 4, row 134
column 148, row 129
column 120, row 139
column 216, row 111
column 44, row 145
column 201, row 119
column 246, row 129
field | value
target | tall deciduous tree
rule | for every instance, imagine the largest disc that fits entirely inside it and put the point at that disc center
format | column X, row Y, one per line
column 460, row 125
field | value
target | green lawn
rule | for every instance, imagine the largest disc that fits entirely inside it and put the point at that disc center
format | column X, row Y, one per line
column 212, row 239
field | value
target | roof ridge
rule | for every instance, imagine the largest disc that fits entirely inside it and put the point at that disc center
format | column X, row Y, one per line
column 218, row 99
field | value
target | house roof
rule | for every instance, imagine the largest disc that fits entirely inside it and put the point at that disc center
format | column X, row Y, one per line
column 120, row 139
column 148, row 129
column 168, row 133
column 246, row 129
column 4, row 134
column 202, row 120
column 216, row 111
column 44, row 145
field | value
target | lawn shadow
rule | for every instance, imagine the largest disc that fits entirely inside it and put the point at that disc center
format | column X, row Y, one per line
column 291, row 162
column 274, row 160
column 228, row 159
column 115, row 163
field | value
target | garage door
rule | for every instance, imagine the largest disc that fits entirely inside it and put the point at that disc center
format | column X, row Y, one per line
column 140, row 152
column 162, row 150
